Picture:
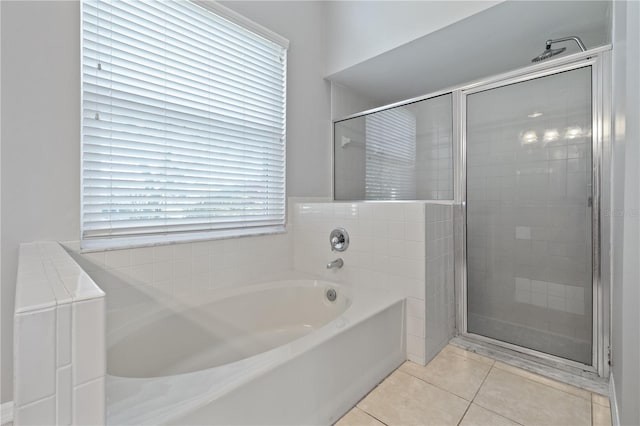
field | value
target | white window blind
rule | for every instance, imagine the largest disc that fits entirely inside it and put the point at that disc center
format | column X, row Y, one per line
column 183, row 127
column 390, row 167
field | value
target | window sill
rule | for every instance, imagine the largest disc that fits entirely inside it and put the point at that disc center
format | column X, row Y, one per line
column 122, row 243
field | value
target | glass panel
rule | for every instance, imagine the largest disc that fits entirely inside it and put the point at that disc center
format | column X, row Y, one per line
column 529, row 214
column 402, row 153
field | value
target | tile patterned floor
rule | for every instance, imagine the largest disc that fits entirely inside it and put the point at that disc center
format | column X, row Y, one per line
column 462, row 388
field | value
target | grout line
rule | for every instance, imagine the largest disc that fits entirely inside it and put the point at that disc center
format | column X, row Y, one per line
column 434, row 385
column 544, row 384
column 372, row 416
column 478, row 391
column 446, row 390
column 483, row 380
column 465, row 413
column 368, row 393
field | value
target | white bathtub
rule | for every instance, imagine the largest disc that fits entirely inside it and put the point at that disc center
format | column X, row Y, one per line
column 274, row 353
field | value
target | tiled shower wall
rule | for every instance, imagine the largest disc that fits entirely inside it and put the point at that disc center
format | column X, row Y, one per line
column 529, row 214
column 405, row 246
column 434, row 149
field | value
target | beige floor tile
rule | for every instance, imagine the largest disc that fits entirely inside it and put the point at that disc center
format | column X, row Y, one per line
column 544, row 380
column 531, row 403
column 466, row 354
column 600, row 399
column 457, row 374
column 478, row 416
column 406, row 400
column 357, row 417
column 601, row 415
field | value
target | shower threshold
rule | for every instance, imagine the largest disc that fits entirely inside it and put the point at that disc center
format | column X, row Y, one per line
column 549, row 368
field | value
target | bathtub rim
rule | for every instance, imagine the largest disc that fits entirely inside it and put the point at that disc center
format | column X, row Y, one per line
column 344, row 292
column 366, row 303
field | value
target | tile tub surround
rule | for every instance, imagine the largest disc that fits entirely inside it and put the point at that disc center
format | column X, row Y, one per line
column 405, row 245
column 59, row 340
column 172, row 269
column 399, row 245
column 464, row 388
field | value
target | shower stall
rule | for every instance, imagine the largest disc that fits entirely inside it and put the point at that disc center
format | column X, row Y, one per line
column 530, row 149
column 531, row 194
column 533, row 150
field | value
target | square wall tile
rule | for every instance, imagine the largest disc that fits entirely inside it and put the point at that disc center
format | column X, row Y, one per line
column 63, row 396
column 63, row 334
column 42, row 412
column 35, row 356
column 415, row 349
column 415, row 326
column 89, row 403
column 89, row 349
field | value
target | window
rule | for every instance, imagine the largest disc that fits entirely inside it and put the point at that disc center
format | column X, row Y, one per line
column 390, row 168
column 183, row 123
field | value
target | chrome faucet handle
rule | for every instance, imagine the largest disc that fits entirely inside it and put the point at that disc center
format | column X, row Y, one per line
column 339, row 239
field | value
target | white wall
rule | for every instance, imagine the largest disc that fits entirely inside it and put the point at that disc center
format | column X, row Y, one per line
column 625, row 339
column 359, row 30
column 40, row 138
column 41, row 108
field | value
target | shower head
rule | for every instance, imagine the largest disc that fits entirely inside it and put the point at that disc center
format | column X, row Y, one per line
column 549, row 52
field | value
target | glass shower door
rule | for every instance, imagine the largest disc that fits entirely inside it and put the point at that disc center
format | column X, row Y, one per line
column 528, row 215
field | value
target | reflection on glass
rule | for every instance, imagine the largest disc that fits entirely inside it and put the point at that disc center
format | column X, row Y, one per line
column 529, row 270
column 402, row 153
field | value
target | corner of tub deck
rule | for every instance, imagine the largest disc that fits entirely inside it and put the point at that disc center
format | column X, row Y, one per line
column 48, row 276
column 58, row 353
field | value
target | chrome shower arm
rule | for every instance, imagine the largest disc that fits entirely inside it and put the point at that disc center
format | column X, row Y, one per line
column 560, row 40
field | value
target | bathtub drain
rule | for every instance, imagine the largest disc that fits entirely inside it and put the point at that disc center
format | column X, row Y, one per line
column 331, row 295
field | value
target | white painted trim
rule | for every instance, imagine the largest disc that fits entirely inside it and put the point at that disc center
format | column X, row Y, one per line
column 613, row 402
column 6, row 412
column 243, row 21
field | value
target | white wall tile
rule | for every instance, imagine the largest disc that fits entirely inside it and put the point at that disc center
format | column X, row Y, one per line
column 64, row 387
column 63, row 334
column 181, row 251
column 42, row 412
column 415, row 326
column 89, row 403
column 89, row 351
column 118, row 258
column 35, row 356
column 142, row 273
column 141, row 256
column 162, row 254
column 415, row 307
column 415, row 349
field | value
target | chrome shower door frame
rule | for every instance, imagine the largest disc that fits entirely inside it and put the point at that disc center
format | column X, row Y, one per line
column 599, row 61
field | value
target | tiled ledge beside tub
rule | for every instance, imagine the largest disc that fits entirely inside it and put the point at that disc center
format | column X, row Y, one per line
column 59, row 340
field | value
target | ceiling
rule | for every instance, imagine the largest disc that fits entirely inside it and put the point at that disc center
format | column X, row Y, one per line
column 499, row 39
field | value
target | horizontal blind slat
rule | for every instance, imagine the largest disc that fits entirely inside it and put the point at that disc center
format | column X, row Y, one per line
column 183, row 122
